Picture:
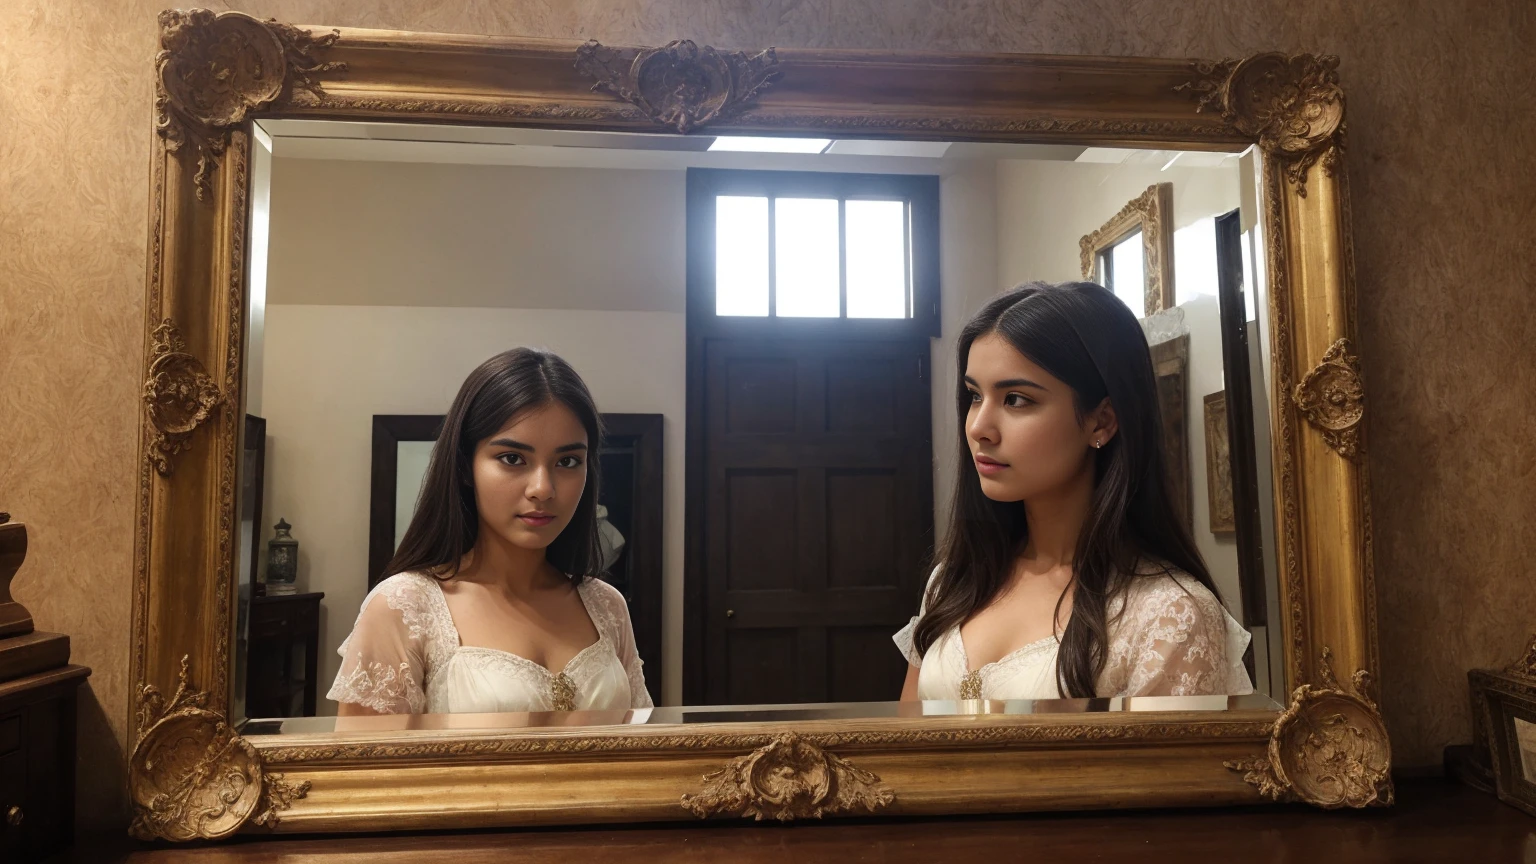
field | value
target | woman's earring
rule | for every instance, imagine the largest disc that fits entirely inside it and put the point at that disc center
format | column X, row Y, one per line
column 1098, row 444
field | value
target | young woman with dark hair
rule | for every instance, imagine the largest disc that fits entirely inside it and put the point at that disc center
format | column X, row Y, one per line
column 1066, row 571
column 492, row 585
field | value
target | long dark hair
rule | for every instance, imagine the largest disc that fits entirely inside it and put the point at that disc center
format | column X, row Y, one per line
column 1082, row 334
column 447, row 522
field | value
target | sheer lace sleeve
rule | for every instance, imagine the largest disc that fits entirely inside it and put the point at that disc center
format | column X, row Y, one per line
column 384, row 659
column 903, row 637
column 1171, row 640
column 614, row 615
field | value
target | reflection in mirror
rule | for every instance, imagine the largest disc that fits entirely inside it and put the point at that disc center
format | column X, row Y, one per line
column 789, row 322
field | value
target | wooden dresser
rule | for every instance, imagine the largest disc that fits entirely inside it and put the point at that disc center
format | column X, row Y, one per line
column 37, row 722
column 37, row 762
column 283, row 655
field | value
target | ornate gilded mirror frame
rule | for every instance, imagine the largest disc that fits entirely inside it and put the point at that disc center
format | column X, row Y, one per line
column 194, row 776
column 1148, row 213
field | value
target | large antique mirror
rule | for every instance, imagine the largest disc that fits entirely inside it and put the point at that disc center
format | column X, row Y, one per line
column 759, row 262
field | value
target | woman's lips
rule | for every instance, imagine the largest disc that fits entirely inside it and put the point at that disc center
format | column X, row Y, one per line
column 537, row 520
column 988, row 467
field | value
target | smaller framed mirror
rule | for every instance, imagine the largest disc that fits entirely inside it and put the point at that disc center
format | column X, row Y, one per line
column 1132, row 253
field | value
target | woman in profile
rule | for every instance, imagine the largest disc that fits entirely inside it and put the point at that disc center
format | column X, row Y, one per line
column 1066, row 571
column 492, row 605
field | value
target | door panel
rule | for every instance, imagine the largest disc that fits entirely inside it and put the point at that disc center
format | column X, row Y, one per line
column 818, row 515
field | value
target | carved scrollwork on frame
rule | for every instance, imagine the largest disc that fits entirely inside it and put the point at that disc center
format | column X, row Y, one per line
column 1332, row 398
column 789, row 778
column 1329, row 749
column 191, row 777
column 215, row 69
column 180, row 393
column 1292, row 104
column 681, row 84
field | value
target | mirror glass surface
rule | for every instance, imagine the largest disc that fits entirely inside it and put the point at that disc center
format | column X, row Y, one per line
column 770, row 338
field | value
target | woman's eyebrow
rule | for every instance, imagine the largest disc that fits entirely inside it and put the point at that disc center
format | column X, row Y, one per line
column 1004, row 385
column 1017, row 382
column 528, row 448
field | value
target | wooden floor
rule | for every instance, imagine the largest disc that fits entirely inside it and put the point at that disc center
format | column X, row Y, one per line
column 1434, row 821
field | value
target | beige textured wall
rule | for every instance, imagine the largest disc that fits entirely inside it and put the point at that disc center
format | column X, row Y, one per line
column 1441, row 121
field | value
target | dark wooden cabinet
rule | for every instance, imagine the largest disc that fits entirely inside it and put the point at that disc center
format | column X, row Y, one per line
column 37, row 721
column 37, row 762
column 284, row 648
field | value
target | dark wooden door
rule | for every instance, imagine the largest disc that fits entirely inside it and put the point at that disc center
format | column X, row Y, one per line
column 817, row 515
column 1238, row 358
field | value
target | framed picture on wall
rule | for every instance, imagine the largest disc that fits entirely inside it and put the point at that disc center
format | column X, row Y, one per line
column 1218, row 465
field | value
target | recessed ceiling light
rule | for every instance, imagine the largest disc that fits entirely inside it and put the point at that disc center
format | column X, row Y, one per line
column 769, row 145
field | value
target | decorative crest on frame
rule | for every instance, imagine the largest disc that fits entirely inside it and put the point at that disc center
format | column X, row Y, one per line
column 215, row 69
column 681, row 85
column 1329, row 749
column 180, row 393
column 1332, row 398
column 191, row 777
column 1292, row 104
column 789, row 778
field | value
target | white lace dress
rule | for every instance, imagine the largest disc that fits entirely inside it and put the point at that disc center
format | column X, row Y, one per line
column 404, row 657
column 1169, row 636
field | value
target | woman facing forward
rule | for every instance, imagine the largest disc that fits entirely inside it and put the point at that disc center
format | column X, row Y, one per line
column 1066, row 570
column 493, row 586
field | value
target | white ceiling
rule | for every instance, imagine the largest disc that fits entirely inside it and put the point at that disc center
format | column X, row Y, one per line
column 494, row 145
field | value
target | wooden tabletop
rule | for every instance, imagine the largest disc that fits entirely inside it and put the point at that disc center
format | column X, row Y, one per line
column 1434, row 821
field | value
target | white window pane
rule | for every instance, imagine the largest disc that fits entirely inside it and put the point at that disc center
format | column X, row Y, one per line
column 741, row 255
column 1194, row 261
column 1129, row 273
column 877, row 259
column 805, row 258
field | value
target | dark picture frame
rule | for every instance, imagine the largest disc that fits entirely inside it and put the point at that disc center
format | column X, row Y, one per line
column 1170, row 365
column 388, row 431
column 253, row 480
